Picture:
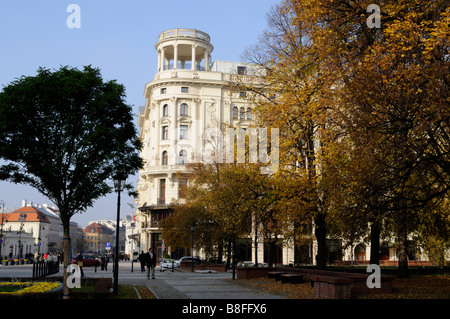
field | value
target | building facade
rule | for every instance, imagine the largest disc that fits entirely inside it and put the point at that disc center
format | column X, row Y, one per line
column 95, row 239
column 33, row 228
column 188, row 95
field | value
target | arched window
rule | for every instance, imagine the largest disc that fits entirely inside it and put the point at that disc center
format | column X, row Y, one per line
column 166, row 110
column 183, row 158
column 242, row 113
column 249, row 114
column 235, row 113
column 165, row 158
column 184, row 109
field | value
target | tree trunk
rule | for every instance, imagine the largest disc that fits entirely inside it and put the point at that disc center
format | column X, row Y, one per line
column 375, row 231
column 66, row 243
column 256, row 244
column 220, row 253
column 403, row 245
column 321, row 235
column 229, row 254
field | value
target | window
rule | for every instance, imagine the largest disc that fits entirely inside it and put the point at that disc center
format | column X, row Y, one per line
column 165, row 132
column 184, row 132
column 184, row 90
column 165, row 158
column 166, row 110
column 162, row 191
column 242, row 94
column 235, row 113
column 182, row 187
column 242, row 113
column 183, row 158
column 184, row 109
column 249, row 114
column 242, row 70
column 163, row 91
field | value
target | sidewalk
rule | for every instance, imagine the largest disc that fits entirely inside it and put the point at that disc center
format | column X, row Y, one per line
column 181, row 284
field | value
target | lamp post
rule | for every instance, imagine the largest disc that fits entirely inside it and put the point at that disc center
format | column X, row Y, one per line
column 192, row 250
column 119, row 183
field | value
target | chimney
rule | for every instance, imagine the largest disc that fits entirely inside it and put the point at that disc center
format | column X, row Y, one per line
column 24, row 202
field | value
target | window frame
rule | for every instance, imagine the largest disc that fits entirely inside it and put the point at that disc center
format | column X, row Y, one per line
column 184, row 109
column 184, row 129
column 165, row 132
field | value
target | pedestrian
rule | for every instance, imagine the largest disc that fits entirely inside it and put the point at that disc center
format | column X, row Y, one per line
column 106, row 262
column 79, row 260
column 150, row 260
column 102, row 262
column 142, row 260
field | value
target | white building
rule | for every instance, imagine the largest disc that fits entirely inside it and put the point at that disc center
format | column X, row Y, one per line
column 188, row 95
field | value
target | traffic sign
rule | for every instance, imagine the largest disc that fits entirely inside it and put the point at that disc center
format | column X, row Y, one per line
column 108, row 246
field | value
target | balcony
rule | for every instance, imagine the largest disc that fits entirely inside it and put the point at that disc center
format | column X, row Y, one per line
column 184, row 33
column 162, row 169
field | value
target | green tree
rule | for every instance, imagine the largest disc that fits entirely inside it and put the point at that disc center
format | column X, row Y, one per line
column 67, row 133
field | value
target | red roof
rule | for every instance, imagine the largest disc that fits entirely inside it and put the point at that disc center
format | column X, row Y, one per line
column 26, row 214
column 97, row 228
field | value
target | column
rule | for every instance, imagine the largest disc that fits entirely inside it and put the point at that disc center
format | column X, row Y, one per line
column 206, row 60
column 163, row 58
column 175, row 56
column 193, row 58
column 159, row 60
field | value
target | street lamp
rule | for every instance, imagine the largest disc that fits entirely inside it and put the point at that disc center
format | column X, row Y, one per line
column 192, row 250
column 119, row 183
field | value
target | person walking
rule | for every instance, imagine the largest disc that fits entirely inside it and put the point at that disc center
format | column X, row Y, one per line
column 142, row 260
column 150, row 260
column 102, row 262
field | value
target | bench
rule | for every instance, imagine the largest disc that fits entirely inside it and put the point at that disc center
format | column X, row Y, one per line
column 276, row 274
column 291, row 278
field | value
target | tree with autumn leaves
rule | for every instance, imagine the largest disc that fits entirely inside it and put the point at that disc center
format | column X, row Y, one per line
column 366, row 108
column 364, row 125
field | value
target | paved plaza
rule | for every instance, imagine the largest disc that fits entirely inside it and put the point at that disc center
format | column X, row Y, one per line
column 167, row 285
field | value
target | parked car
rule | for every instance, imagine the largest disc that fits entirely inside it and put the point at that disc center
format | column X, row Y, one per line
column 245, row 264
column 88, row 260
column 167, row 264
column 197, row 260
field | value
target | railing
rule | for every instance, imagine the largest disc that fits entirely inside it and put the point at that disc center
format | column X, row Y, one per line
column 44, row 268
column 185, row 33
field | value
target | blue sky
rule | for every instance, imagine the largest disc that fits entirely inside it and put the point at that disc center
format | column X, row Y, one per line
column 118, row 37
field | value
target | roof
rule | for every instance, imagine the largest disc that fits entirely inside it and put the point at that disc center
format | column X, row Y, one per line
column 97, row 228
column 26, row 214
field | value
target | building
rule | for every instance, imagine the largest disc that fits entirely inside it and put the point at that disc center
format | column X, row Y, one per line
column 188, row 95
column 97, row 239
column 26, row 222
column 39, row 222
